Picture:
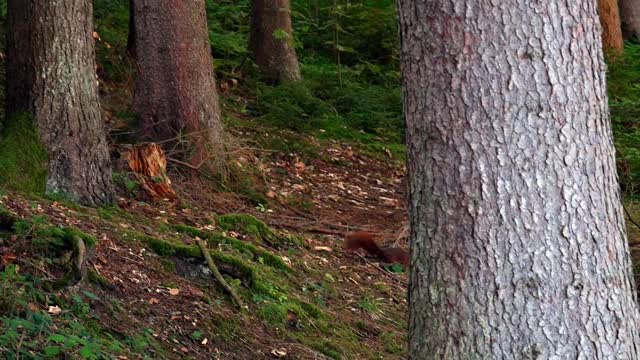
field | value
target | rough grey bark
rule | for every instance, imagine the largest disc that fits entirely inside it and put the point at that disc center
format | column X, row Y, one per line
column 271, row 40
column 518, row 244
column 175, row 94
column 630, row 18
column 51, row 75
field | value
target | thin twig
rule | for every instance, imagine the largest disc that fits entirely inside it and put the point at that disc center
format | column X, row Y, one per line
column 217, row 275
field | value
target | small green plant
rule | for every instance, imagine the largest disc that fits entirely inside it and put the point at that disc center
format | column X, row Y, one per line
column 369, row 304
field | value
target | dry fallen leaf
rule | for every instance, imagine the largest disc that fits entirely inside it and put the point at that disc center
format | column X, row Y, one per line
column 271, row 194
column 7, row 258
column 282, row 352
column 54, row 310
column 153, row 301
column 205, row 341
column 323, row 248
column 174, row 292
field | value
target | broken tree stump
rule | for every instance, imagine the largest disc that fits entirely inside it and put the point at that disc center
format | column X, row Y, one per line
column 149, row 163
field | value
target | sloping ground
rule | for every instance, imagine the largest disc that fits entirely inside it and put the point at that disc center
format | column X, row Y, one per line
column 150, row 294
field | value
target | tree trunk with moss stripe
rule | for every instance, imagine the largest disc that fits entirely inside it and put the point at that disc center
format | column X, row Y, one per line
column 51, row 75
column 271, row 40
column 518, row 244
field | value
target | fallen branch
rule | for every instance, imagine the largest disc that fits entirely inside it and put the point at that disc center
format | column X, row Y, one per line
column 217, row 275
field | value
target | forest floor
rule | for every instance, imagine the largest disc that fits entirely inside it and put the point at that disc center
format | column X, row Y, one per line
column 312, row 301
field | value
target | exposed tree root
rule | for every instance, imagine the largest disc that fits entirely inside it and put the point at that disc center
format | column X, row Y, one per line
column 217, row 275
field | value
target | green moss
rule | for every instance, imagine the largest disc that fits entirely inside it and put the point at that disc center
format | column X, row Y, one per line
column 98, row 279
column 274, row 314
column 255, row 253
column 393, row 343
column 166, row 248
column 256, row 229
column 23, row 159
column 328, row 348
column 70, row 233
column 311, row 310
column 168, row 265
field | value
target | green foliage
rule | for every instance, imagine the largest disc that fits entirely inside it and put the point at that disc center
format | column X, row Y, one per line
column 351, row 108
column 228, row 33
column 23, row 159
column 28, row 331
column 624, row 102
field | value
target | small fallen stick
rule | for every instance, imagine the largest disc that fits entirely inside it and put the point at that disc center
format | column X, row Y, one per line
column 217, row 275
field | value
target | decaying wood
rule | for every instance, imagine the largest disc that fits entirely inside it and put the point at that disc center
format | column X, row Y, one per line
column 217, row 275
column 150, row 163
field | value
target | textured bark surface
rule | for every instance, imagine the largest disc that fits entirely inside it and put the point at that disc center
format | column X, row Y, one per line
column 518, row 244
column 52, row 71
column 150, row 164
column 630, row 18
column 271, row 40
column 175, row 92
column 611, row 29
column 19, row 64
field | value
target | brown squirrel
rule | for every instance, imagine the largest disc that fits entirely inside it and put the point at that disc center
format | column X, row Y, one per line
column 364, row 240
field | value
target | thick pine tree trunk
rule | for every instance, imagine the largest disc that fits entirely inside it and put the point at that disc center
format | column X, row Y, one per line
column 51, row 75
column 611, row 29
column 271, row 40
column 518, row 244
column 630, row 18
column 175, row 95
column 131, row 35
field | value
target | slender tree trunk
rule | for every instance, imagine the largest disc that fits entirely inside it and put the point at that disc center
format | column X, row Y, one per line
column 271, row 40
column 175, row 93
column 630, row 16
column 51, row 75
column 518, row 244
column 611, row 29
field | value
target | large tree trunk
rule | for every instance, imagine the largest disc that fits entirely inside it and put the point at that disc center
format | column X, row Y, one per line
column 175, row 95
column 131, row 35
column 518, row 244
column 630, row 16
column 271, row 40
column 611, row 29
column 51, row 75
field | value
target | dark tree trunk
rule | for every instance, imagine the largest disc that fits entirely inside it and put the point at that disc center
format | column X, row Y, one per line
column 271, row 40
column 611, row 29
column 51, row 75
column 630, row 18
column 518, row 244
column 131, row 35
column 175, row 93
column 19, row 63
